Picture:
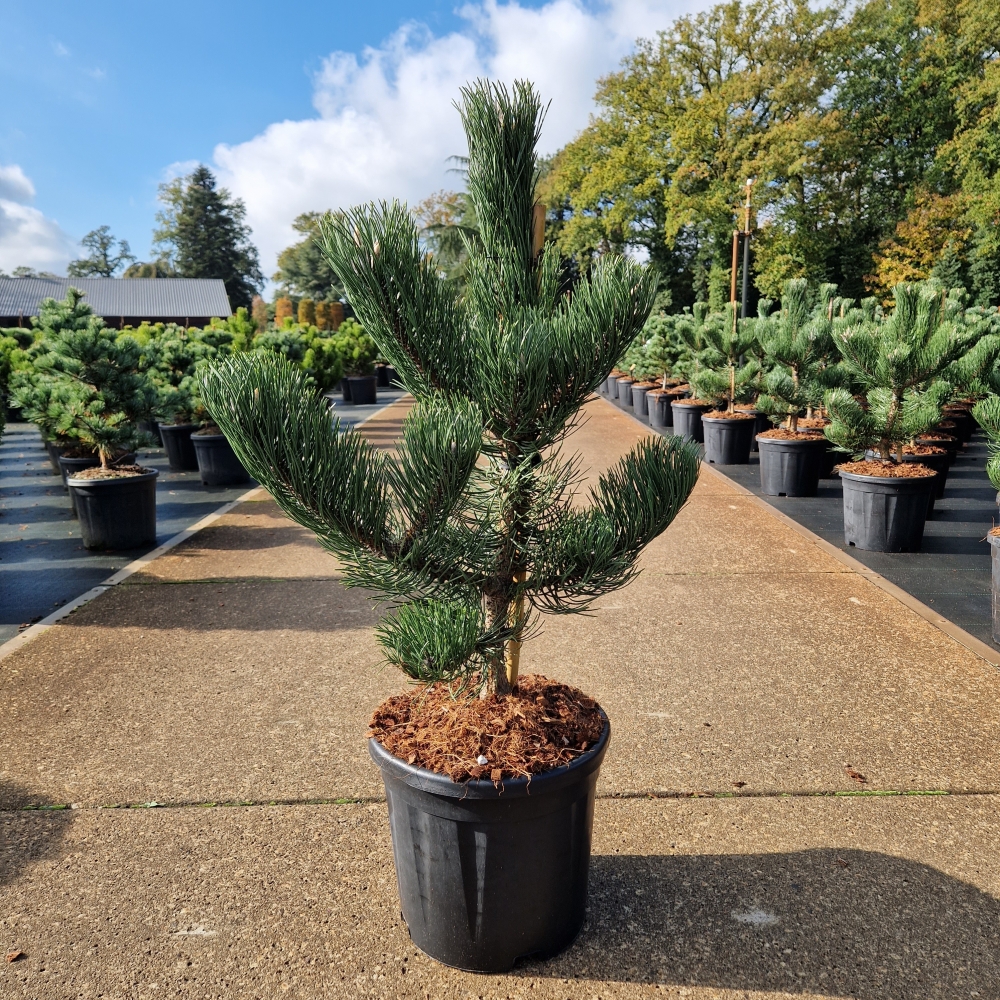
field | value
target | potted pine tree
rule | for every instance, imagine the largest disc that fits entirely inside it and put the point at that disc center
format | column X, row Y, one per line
column 101, row 395
column 173, row 357
column 470, row 533
column 894, row 365
column 726, row 378
column 357, row 352
column 794, row 340
column 987, row 414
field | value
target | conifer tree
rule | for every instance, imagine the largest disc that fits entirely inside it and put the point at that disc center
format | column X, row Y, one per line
column 472, row 529
column 895, row 365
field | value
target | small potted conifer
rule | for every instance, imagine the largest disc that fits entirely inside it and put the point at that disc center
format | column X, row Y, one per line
column 470, row 532
column 726, row 378
column 357, row 352
column 688, row 408
column 893, row 365
column 173, row 357
column 794, row 340
column 987, row 414
column 102, row 395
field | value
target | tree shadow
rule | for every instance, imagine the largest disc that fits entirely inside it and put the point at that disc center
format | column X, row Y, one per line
column 833, row 922
column 27, row 835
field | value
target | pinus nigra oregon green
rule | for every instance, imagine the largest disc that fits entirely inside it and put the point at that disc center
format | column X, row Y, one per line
column 471, row 529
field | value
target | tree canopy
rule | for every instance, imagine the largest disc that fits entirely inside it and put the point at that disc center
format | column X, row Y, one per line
column 102, row 262
column 203, row 234
column 303, row 270
column 849, row 120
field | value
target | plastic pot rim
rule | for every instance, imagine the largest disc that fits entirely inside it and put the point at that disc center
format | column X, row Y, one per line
column 538, row 784
column 142, row 477
column 885, row 480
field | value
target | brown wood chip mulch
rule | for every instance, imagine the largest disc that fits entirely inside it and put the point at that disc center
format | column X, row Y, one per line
column 541, row 726
column 112, row 472
column 728, row 415
column 784, row 434
column 887, row 470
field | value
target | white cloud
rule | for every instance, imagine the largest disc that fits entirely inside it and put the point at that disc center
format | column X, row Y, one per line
column 385, row 124
column 27, row 237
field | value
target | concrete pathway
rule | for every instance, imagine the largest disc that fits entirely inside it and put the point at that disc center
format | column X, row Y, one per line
column 801, row 797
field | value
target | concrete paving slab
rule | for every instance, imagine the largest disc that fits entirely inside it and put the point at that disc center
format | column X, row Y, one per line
column 196, row 692
column 878, row 899
column 255, row 540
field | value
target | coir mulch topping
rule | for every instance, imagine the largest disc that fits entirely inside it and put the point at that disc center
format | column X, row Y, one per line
column 812, row 423
column 693, row 402
column 784, row 434
column 112, row 472
column 946, row 438
column 923, row 449
column 887, row 470
column 728, row 415
column 541, row 726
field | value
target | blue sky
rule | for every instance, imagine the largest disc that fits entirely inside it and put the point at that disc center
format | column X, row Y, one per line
column 296, row 105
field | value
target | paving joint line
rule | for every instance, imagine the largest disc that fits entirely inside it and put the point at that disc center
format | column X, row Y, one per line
column 258, row 492
column 652, row 795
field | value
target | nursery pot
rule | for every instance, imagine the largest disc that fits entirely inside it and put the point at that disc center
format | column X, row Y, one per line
column 728, row 439
column 53, row 450
column 624, row 395
column 488, row 875
column 687, row 419
column 363, row 388
column 345, row 388
column 116, row 513
column 761, row 423
column 884, row 514
column 382, row 376
column 963, row 419
column 658, row 411
column 217, row 462
column 639, row 401
column 790, row 467
column 939, row 463
column 176, row 440
column 994, row 541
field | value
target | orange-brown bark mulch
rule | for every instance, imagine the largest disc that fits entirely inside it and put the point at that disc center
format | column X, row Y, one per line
column 112, row 472
column 784, row 434
column 729, row 415
column 541, row 726
column 887, row 470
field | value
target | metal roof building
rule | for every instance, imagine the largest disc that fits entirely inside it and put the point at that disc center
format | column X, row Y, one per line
column 121, row 301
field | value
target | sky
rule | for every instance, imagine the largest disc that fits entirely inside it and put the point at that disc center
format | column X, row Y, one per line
column 295, row 106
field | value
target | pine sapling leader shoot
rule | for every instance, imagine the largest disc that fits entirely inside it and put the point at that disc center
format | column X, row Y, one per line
column 470, row 531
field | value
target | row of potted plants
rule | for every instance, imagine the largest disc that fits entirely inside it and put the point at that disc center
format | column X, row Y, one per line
column 885, row 392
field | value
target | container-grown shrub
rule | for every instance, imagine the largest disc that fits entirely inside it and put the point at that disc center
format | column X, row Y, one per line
column 101, row 393
column 894, row 365
column 471, row 532
column 795, row 340
column 357, row 352
column 987, row 415
column 726, row 377
column 172, row 358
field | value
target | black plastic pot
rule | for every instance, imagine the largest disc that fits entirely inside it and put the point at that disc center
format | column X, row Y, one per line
column 116, row 513
column 611, row 387
column 639, row 402
column 624, row 395
column 882, row 514
column 790, row 468
column 965, row 425
column 994, row 541
column 488, row 875
column 761, row 423
column 687, row 419
column 217, row 462
column 345, row 388
column 949, row 442
column 363, row 389
column 939, row 463
column 54, row 451
column 176, row 440
column 67, row 466
column 658, row 411
column 382, row 376
column 728, row 439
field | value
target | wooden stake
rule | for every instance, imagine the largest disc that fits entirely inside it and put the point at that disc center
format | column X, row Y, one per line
column 537, row 229
column 736, row 258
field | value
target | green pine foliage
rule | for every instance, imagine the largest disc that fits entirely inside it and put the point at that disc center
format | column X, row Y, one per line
column 723, row 372
column 987, row 414
column 796, row 342
column 88, row 384
column 472, row 529
column 894, row 365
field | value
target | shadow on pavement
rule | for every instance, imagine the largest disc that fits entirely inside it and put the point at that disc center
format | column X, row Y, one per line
column 829, row 922
column 27, row 837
